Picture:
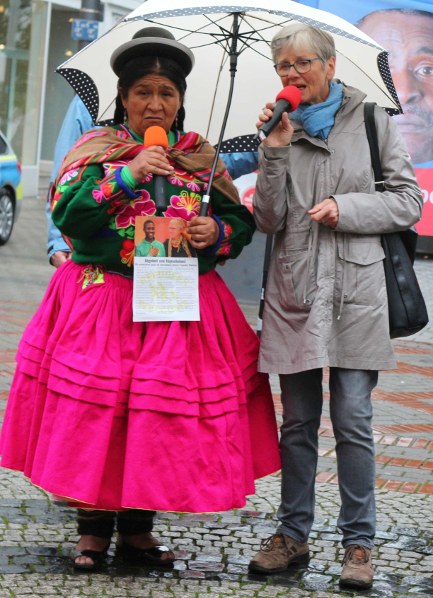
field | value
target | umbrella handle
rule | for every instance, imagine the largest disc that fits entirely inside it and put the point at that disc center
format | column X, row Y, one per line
column 204, row 206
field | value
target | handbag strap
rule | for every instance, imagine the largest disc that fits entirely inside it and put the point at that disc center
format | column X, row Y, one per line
column 409, row 236
column 370, row 127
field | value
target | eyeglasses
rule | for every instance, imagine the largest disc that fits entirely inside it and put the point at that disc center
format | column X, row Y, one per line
column 300, row 66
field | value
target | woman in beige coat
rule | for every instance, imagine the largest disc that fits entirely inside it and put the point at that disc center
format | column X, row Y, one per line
column 326, row 303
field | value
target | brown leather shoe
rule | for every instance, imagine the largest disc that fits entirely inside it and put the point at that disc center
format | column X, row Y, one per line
column 357, row 570
column 277, row 553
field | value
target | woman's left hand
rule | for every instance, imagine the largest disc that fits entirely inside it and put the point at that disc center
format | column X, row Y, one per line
column 325, row 212
column 204, row 231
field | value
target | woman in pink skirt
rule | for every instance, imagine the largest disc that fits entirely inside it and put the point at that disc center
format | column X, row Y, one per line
column 120, row 418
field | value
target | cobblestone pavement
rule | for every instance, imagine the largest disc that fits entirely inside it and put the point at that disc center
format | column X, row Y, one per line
column 213, row 550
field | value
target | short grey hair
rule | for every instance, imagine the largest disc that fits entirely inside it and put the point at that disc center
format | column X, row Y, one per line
column 301, row 36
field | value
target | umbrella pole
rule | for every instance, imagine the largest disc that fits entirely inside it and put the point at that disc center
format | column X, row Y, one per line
column 266, row 262
column 233, row 67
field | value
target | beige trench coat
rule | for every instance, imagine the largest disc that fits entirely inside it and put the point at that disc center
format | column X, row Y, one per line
column 325, row 302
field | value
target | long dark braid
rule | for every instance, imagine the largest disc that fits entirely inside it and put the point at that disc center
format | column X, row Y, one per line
column 119, row 112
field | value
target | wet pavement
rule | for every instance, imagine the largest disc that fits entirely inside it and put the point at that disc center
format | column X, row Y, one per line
column 213, row 550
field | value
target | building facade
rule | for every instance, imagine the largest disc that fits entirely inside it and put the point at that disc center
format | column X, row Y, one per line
column 36, row 36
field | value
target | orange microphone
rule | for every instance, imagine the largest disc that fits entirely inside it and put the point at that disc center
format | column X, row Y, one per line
column 156, row 135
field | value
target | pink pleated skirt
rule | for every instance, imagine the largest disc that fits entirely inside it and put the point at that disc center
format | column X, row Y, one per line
column 114, row 414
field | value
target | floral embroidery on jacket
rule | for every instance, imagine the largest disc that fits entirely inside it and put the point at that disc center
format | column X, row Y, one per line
column 127, row 253
column 186, row 206
column 136, row 207
column 105, row 191
column 176, row 179
column 113, row 209
column 64, row 182
column 194, row 186
column 68, row 176
column 182, row 178
column 225, row 246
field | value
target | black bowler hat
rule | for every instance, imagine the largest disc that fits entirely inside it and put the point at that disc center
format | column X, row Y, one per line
column 152, row 41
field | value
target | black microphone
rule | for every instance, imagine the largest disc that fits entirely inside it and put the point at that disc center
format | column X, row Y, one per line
column 159, row 187
column 287, row 100
column 157, row 136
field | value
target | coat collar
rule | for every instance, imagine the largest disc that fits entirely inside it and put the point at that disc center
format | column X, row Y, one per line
column 352, row 98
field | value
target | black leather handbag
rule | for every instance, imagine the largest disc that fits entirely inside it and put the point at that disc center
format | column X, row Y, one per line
column 406, row 305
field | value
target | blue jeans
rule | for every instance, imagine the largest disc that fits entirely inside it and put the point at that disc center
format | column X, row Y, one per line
column 351, row 415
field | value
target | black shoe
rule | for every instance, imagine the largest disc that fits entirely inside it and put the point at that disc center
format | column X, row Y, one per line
column 153, row 556
column 98, row 558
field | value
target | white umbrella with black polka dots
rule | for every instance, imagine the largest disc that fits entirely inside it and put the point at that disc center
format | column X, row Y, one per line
column 233, row 75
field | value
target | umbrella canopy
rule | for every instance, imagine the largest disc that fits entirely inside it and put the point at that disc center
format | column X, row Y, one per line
column 226, row 39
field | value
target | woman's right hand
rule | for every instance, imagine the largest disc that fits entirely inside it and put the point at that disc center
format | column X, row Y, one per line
column 59, row 257
column 281, row 135
column 151, row 160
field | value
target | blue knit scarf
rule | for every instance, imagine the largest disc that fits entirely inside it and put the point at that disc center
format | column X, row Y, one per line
column 318, row 119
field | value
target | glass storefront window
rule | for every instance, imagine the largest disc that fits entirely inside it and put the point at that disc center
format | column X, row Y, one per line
column 15, row 32
column 22, row 43
column 58, row 92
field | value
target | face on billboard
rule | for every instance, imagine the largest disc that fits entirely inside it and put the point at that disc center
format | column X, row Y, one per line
column 409, row 41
